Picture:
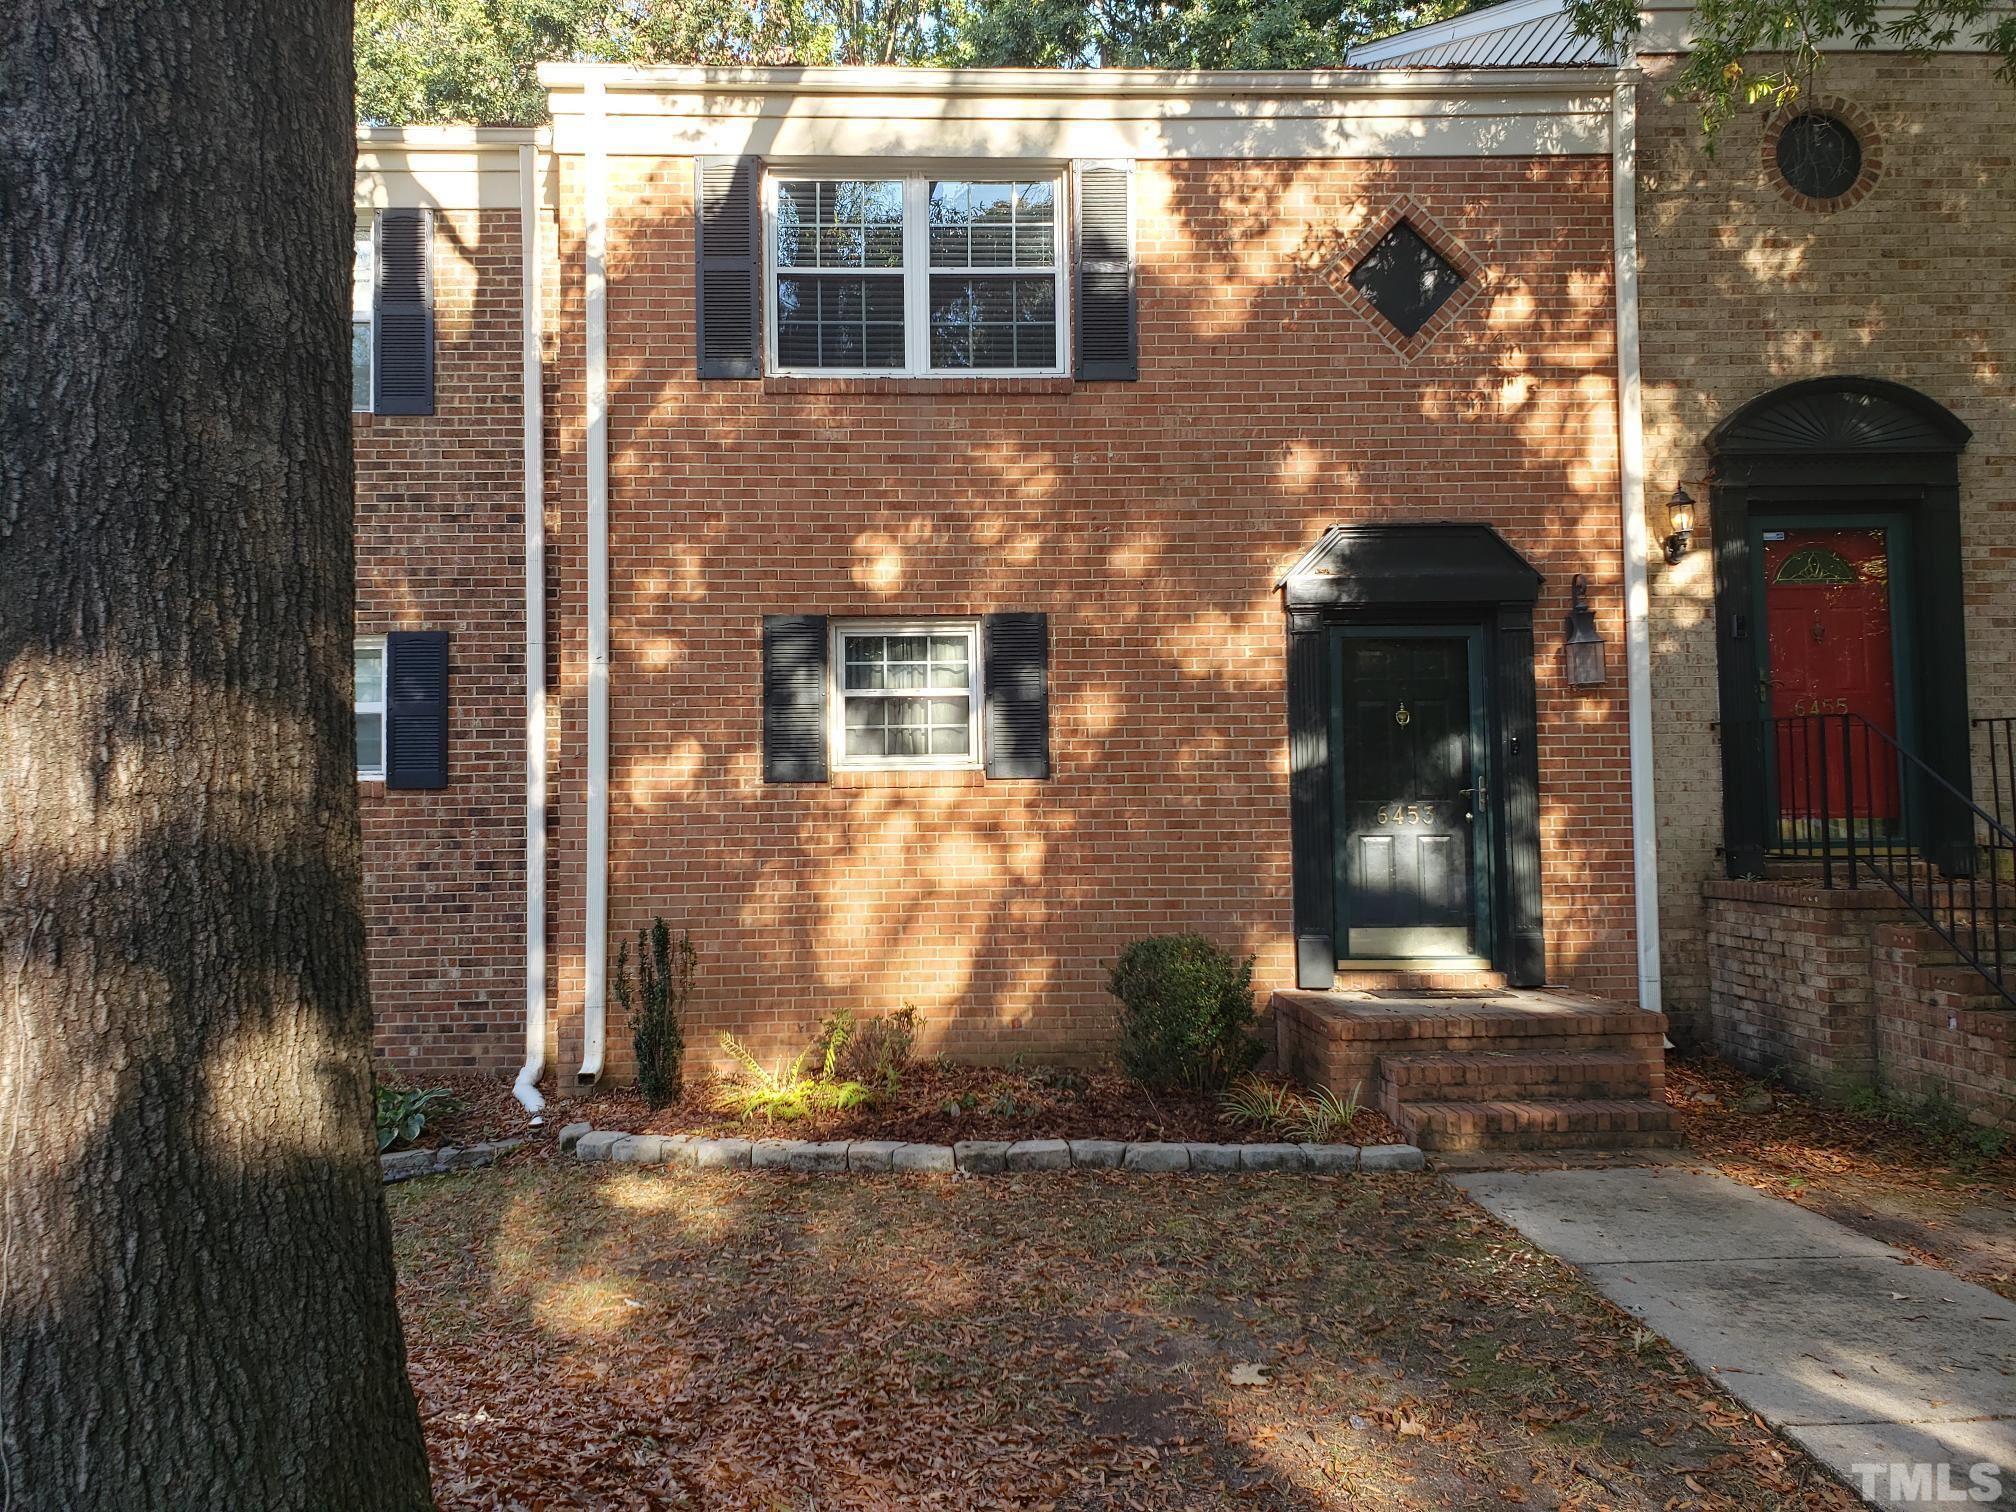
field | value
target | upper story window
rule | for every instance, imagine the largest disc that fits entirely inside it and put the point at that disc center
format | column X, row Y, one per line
column 360, row 318
column 915, row 275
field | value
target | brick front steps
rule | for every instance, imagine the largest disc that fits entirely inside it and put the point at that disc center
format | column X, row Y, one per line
column 979, row 1157
column 1487, row 1069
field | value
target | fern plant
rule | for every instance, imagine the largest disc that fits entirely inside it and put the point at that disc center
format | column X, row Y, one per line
column 753, row 1090
column 654, row 1001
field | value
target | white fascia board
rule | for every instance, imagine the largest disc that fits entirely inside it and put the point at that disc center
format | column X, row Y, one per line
column 448, row 167
column 1390, row 113
column 437, row 137
column 1059, row 83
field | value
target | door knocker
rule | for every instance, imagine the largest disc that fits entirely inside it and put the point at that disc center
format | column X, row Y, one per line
column 1403, row 718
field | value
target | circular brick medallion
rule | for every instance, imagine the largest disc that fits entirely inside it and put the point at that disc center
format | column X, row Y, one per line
column 1823, row 155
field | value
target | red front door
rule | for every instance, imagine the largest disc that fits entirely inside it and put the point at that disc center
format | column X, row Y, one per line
column 1827, row 611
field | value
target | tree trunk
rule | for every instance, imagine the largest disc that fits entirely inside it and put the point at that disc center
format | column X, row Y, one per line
column 196, row 1290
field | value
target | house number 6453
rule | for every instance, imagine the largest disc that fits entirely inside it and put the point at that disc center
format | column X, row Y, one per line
column 1406, row 813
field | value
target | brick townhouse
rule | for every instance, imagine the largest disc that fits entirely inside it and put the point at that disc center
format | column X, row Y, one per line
column 920, row 531
column 1829, row 368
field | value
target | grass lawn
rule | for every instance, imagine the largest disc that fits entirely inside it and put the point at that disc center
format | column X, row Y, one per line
column 587, row 1336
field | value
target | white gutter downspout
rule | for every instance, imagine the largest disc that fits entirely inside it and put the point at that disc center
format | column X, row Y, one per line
column 595, row 240
column 1631, row 488
column 526, row 1087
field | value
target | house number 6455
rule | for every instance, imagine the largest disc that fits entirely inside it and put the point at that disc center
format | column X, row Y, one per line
column 1406, row 813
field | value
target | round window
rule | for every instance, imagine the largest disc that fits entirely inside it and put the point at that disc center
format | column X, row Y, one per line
column 1819, row 156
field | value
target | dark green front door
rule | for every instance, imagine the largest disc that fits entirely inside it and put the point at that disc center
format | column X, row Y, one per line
column 1406, row 726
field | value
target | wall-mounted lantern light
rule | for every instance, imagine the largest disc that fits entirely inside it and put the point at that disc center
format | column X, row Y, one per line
column 1584, row 650
column 1680, row 516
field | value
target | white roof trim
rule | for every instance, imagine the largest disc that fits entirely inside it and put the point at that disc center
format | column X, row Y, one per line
column 423, row 137
column 1061, row 83
column 1051, row 115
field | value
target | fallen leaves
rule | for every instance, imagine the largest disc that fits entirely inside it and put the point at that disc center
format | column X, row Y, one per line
column 1084, row 1341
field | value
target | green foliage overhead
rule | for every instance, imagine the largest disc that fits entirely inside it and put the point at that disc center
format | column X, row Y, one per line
column 1184, row 33
column 475, row 61
column 1766, row 53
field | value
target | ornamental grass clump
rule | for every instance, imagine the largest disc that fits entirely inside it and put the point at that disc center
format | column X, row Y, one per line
column 1313, row 1117
column 1186, row 1013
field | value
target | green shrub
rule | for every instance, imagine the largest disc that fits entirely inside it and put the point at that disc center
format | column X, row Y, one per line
column 655, row 1003
column 402, row 1112
column 877, row 1052
column 1186, row 1012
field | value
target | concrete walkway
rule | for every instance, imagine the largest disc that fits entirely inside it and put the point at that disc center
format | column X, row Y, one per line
column 1839, row 1342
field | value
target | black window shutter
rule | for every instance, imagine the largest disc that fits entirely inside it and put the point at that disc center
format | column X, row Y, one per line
column 1016, row 658
column 402, row 314
column 1108, row 339
column 728, row 245
column 794, row 698
column 416, row 709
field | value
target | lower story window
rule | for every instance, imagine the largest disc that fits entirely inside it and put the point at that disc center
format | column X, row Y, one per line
column 370, row 673
column 908, row 694
column 361, row 297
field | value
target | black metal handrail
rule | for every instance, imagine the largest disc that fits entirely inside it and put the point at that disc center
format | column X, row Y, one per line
column 1995, row 747
column 1840, row 791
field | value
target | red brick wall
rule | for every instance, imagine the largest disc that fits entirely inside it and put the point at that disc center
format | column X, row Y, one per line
column 1940, row 1033
column 1789, row 980
column 1843, row 990
column 440, row 546
column 1148, row 519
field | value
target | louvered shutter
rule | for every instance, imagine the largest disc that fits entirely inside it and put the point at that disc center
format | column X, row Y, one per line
column 727, row 245
column 416, row 709
column 1107, row 338
column 402, row 313
column 794, row 698
column 1016, row 660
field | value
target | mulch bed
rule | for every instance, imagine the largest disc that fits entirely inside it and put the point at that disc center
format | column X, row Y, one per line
column 1802, row 1137
column 937, row 1103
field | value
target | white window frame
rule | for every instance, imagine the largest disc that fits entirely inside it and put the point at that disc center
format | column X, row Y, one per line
column 916, row 271
column 360, row 706
column 837, row 694
column 367, row 234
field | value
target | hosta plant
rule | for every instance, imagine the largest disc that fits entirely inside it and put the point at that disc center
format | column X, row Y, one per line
column 402, row 1112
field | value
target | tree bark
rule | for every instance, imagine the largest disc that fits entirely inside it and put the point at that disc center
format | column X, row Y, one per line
column 196, row 1288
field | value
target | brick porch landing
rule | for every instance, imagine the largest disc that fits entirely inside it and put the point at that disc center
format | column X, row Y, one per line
column 1486, row 1069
